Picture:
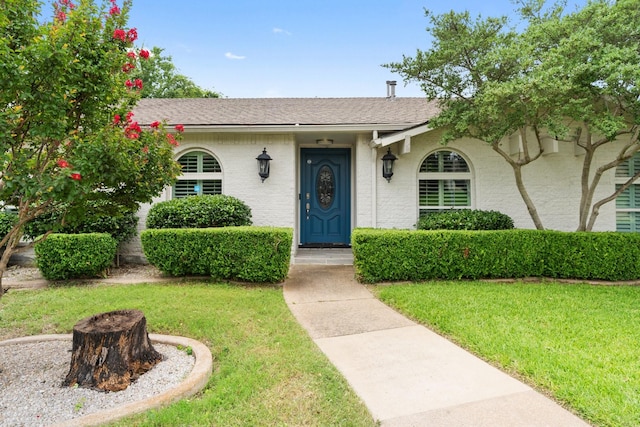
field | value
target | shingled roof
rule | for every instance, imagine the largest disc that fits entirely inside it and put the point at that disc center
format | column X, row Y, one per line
column 286, row 111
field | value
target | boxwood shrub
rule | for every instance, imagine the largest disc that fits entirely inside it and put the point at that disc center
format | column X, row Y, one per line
column 392, row 255
column 74, row 256
column 249, row 254
column 465, row 219
column 199, row 212
column 100, row 217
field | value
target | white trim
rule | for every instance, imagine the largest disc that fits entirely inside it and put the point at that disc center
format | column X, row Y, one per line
column 374, row 187
column 295, row 128
column 445, row 176
column 404, row 135
column 197, row 176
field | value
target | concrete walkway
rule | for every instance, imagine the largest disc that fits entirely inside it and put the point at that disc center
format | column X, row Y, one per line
column 405, row 374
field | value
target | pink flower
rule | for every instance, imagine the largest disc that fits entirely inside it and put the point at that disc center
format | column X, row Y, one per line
column 115, row 10
column 119, row 34
column 128, row 67
column 131, row 54
column 144, row 54
column 138, row 83
column 155, row 124
column 179, row 128
column 132, row 35
column 129, row 116
column 116, row 119
column 63, row 163
column 133, row 131
column 75, row 176
column 128, row 84
column 172, row 140
column 61, row 16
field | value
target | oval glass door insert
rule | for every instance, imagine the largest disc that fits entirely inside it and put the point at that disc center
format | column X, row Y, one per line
column 325, row 187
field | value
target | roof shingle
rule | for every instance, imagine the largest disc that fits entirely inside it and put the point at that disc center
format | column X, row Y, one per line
column 286, row 111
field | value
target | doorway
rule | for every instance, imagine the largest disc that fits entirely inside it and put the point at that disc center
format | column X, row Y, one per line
column 325, row 197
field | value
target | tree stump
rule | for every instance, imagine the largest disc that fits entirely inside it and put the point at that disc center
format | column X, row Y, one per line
column 110, row 350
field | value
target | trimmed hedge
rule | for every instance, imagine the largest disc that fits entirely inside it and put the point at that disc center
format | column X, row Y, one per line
column 73, row 256
column 199, row 212
column 121, row 224
column 249, row 254
column 393, row 255
column 465, row 219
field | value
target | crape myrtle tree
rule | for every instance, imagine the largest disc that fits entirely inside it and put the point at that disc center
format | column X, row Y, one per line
column 574, row 76
column 67, row 134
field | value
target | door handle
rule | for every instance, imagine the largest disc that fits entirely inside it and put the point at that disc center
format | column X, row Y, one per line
column 308, row 207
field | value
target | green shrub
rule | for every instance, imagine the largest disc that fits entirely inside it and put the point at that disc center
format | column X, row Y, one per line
column 199, row 212
column 431, row 254
column 99, row 217
column 465, row 219
column 250, row 254
column 7, row 221
column 72, row 256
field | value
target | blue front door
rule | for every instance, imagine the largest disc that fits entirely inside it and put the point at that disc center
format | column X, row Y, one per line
column 325, row 198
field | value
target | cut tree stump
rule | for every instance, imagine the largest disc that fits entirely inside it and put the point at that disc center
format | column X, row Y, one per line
column 110, row 350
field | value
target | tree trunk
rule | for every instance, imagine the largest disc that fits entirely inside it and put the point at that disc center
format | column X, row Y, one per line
column 110, row 350
column 517, row 172
column 10, row 244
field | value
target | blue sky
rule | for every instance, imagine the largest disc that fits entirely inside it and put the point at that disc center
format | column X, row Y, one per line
column 294, row 48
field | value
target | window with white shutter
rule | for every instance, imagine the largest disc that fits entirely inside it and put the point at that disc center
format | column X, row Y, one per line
column 628, row 202
column 201, row 174
column 444, row 182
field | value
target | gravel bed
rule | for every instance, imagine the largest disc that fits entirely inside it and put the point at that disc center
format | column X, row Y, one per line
column 31, row 375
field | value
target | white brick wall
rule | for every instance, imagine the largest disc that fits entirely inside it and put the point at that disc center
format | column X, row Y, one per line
column 553, row 182
column 272, row 202
column 363, row 188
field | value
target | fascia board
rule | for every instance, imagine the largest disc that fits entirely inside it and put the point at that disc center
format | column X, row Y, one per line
column 293, row 128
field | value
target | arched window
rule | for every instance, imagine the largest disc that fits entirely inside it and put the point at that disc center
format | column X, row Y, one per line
column 201, row 174
column 444, row 182
column 628, row 202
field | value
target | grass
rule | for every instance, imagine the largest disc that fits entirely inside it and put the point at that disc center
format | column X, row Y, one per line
column 267, row 371
column 577, row 343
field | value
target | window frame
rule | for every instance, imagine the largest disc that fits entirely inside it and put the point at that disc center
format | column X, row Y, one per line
column 442, row 178
column 199, row 176
column 632, row 212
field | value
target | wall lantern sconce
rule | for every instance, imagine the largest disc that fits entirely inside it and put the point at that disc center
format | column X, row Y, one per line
column 387, row 165
column 263, row 164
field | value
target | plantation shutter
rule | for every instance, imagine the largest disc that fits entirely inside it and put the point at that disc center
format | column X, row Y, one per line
column 628, row 202
column 197, row 168
column 444, row 182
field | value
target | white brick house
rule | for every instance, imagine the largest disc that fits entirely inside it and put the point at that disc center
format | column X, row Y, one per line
column 326, row 169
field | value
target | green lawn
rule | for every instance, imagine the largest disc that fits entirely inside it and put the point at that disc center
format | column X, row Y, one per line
column 267, row 372
column 578, row 343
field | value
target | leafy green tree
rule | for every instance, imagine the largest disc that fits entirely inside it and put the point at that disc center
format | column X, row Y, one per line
column 66, row 131
column 573, row 76
column 162, row 80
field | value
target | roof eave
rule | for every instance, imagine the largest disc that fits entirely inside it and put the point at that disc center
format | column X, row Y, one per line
column 287, row 128
column 402, row 135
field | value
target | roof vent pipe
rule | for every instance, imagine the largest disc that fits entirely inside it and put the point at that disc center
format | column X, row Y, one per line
column 391, row 88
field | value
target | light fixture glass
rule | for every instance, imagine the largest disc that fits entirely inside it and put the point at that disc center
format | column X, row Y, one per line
column 263, row 164
column 387, row 164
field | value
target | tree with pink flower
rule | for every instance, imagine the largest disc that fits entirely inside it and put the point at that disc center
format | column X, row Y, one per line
column 67, row 134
